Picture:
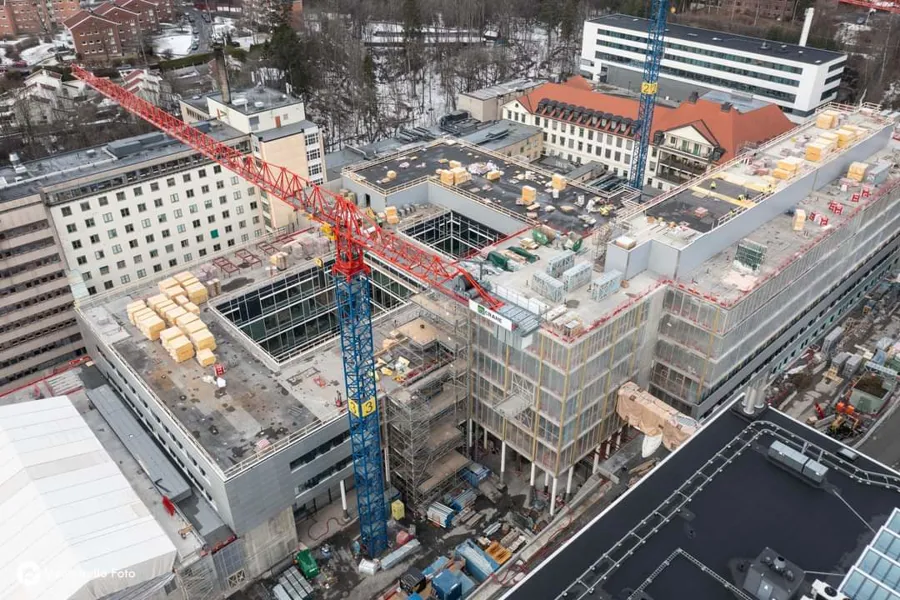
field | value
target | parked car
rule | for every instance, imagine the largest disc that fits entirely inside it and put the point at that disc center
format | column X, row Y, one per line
column 20, row 64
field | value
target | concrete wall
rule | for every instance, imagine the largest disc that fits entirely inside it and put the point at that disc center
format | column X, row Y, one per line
column 476, row 211
column 713, row 242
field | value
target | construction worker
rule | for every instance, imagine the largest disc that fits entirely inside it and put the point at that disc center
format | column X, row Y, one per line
column 712, row 185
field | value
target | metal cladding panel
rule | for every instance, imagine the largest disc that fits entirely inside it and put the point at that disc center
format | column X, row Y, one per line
column 815, row 471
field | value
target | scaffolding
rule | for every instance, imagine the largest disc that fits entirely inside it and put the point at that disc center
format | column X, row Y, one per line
column 427, row 398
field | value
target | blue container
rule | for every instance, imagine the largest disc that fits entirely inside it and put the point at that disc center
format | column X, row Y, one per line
column 447, row 586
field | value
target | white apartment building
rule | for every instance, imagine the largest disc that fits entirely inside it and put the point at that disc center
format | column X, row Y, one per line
column 798, row 79
column 44, row 98
column 584, row 126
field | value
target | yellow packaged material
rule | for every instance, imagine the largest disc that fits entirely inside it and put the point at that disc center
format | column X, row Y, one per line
column 494, row 175
column 173, row 292
column 173, row 313
column 154, row 301
column 455, row 164
column 529, row 194
column 814, row 152
column 162, row 308
column 183, row 276
column 185, row 319
column 782, row 174
column 151, row 327
column 447, row 177
column 198, row 293
column 392, row 175
column 189, row 282
column 166, row 284
column 166, row 335
column 827, row 145
column 194, row 326
column 390, row 211
column 460, row 175
column 180, row 349
column 845, row 137
column 799, row 219
column 791, row 163
column 140, row 315
column 135, row 306
column 192, row 308
column 830, row 136
column 558, row 182
column 203, row 340
column 206, row 358
column 180, row 300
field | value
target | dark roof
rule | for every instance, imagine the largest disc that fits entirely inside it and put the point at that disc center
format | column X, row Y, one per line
column 724, row 39
column 751, row 504
column 279, row 132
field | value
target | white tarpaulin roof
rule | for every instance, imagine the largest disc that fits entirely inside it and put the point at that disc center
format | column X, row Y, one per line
column 71, row 527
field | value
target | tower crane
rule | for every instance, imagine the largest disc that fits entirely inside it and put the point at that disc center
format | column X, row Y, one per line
column 656, row 32
column 354, row 234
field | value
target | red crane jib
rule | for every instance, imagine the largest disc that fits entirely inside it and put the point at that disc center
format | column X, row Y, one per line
column 356, row 231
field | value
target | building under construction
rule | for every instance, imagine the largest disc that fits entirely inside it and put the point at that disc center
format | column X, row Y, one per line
column 697, row 295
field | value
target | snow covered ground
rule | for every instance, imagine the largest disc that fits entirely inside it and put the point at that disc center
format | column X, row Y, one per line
column 42, row 54
column 178, row 42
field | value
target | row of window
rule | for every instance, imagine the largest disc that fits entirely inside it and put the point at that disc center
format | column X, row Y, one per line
column 617, row 156
column 37, row 334
column 693, row 76
column 30, row 265
column 161, row 219
column 693, row 49
column 71, row 339
column 27, row 285
column 35, row 317
column 320, row 450
column 14, row 232
column 44, row 364
column 25, row 303
column 6, row 253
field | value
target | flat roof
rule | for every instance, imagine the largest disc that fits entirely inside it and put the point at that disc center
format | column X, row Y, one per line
column 422, row 162
column 501, row 134
column 682, row 530
column 504, row 88
column 287, row 130
column 258, row 402
column 726, row 40
column 267, row 96
column 60, row 168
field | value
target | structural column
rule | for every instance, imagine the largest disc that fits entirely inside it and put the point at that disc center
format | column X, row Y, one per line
column 569, row 483
column 596, row 462
column 546, row 481
column 502, row 460
column 553, row 498
column 344, row 501
column 485, row 440
column 533, row 473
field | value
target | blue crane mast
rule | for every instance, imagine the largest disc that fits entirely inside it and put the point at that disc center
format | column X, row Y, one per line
column 656, row 32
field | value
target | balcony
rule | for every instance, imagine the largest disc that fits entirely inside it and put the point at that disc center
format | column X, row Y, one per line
column 693, row 168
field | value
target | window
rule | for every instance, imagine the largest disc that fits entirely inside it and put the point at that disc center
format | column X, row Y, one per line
column 211, row 219
column 226, row 214
column 244, row 237
column 192, row 208
column 253, row 205
column 86, row 276
column 251, row 191
column 230, row 243
column 217, row 169
column 170, row 182
column 220, row 185
column 208, row 203
column 108, row 285
column 125, row 212
column 117, row 249
column 95, row 239
column 146, row 224
column 120, row 264
column 201, row 173
column 174, row 197
column 228, row 229
column 234, row 180
column 154, row 187
column 132, row 243
column 178, row 213
column 158, row 202
column 256, row 221
column 157, row 268
column 154, row 253
column 66, row 211
column 170, row 248
column 102, row 201
column 173, row 262
column 217, row 247
column 142, row 207
column 88, row 222
column 81, row 260
column 112, row 233
column 185, row 243
column 142, row 273
column 162, row 217
column 165, row 233
column 125, row 279
column 92, row 290
column 202, row 252
column 199, row 238
column 181, row 228
column 204, row 189
column 71, row 228
column 188, row 257
column 195, row 223
column 150, row 238
column 85, row 206
column 120, row 196
column 239, row 210
column 237, row 195
column 104, row 270
column 242, row 224
column 137, row 259
column 186, row 177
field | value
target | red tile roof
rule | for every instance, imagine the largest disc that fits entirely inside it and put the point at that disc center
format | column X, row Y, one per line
column 730, row 130
column 82, row 16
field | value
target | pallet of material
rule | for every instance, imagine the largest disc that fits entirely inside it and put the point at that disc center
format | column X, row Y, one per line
column 857, row 171
column 139, row 315
column 827, row 120
column 529, row 194
column 790, row 163
column 173, row 313
column 845, row 137
column 197, row 293
column 782, row 174
column 151, row 326
column 193, row 327
column 167, row 335
column 460, row 175
column 180, row 349
column 191, row 308
column 558, row 182
column 183, row 276
column 180, row 300
column 454, row 164
column 133, row 307
column 186, row 319
column 814, row 152
column 173, row 292
column 203, row 340
column 154, row 301
column 493, row 175
column 446, row 176
column 166, row 284
column 206, row 358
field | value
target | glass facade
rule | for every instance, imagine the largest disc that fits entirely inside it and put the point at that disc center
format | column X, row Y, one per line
column 876, row 575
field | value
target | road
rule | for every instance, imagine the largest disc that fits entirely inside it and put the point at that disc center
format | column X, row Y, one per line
column 200, row 27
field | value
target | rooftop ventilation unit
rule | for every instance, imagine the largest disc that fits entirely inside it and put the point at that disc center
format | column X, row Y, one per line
column 792, row 460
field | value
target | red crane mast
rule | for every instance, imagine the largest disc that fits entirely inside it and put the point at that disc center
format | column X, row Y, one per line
column 355, row 231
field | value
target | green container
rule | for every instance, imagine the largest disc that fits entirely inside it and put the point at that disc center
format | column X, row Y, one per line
column 540, row 237
column 524, row 254
column 307, row 564
column 498, row 260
